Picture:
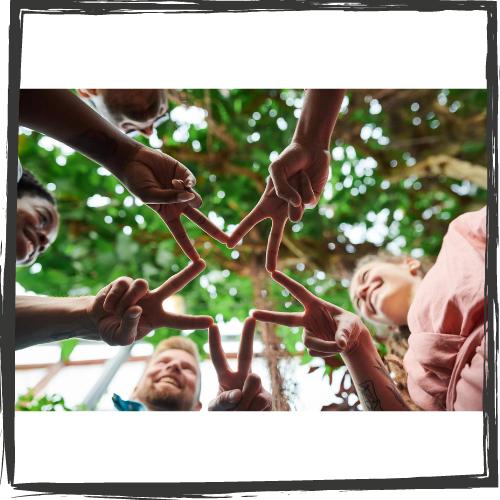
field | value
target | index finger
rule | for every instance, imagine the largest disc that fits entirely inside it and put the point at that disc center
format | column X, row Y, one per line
column 301, row 293
column 206, row 224
column 273, row 245
column 216, row 352
column 245, row 227
column 180, row 235
column 245, row 352
column 284, row 189
column 178, row 281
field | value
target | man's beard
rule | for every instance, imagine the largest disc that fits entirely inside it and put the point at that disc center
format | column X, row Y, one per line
column 162, row 400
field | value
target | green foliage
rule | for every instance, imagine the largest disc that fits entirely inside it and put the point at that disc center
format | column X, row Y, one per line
column 372, row 189
column 54, row 402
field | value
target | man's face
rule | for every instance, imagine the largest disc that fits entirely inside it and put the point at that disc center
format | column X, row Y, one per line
column 37, row 227
column 170, row 382
column 130, row 110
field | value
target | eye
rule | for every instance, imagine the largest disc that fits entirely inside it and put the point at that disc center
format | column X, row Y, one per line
column 190, row 368
column 364, row 276
column 44, row 220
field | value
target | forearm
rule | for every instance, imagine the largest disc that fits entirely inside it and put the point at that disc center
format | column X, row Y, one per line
column 375, row 388
column 40, row 320
column 319, row 114
column 61, row 115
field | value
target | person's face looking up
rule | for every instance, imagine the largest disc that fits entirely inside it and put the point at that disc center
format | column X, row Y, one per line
column 37, row 227
column 134, row 111
column 170, row 382
column 384, row 291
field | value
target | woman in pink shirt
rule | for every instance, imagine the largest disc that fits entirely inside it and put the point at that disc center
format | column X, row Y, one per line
column 445, row 311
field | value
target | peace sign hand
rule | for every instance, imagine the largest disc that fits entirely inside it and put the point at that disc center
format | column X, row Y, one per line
column 273, row 207
column 125, row 311
column 171, row 215
column 240, row 390
column 328, row 329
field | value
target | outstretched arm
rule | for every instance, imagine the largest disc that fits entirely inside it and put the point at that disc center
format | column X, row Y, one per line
column 121, row 313
column 330, row 330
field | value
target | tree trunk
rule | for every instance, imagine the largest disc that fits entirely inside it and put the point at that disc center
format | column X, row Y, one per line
column 273, row 352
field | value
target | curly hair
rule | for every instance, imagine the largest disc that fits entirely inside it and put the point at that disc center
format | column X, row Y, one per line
column 29, row 185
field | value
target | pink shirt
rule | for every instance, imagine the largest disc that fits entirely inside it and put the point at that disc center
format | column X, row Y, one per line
column 448, row 350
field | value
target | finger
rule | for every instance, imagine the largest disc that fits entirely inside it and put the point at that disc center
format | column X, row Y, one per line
column 118, row 288
column 345, row 330
column 301, row 293
column 196, row 202
column 217, row 354
column 180, row 235
column 245, row 351
column 101, row 296
column 279, row 318
column 274, row 244
column 128, row 326
column 187, row 322
column 189, row 179
column 244, row 227
column 225, row 401
column 283, row 188
column 318, row 354
column 306, row 190
column 319, row 345
column 155, row 195
column 206, row 224
column 295, row 213
column 136, row 291
column 178, row 281
column 251, row 388
column 261, row 402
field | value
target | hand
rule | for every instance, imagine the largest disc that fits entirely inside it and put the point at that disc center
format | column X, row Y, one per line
column 240, row 390
column 273, row 207
column 328, row 329
column 150, row 175
column 125, row 311
column 313, row 161
column 171, row 215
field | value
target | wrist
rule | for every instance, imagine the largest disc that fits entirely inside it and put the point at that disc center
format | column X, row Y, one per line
column 362, row 342
column 126, row 149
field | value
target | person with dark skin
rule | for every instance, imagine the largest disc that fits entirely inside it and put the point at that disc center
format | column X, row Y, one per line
column 122, row 313
column 299, row 174
column 37, row 220
column 157, row 179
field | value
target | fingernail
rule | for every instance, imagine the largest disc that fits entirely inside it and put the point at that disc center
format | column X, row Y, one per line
column 232, row 396
column 185, row 196
column 133, row 316
column 296, row 202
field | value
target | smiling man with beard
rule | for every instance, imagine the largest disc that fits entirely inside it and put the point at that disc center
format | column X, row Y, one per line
column 172, row 378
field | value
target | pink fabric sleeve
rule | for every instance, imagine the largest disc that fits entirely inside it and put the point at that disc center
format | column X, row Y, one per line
column 469, row 389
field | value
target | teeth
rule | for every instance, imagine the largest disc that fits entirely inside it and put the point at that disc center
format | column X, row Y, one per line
column 170, row 380
column 30, row 247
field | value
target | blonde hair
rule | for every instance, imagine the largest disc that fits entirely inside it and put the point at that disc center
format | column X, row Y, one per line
column 178, row 342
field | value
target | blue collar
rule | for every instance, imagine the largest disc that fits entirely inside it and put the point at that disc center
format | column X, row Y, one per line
column 122, row 405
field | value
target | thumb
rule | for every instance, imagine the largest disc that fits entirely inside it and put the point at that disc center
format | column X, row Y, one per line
column 129, row 324
column 344, row 333
column 225, row 401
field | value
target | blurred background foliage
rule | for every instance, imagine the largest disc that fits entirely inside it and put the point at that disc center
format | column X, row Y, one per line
column 405, row 163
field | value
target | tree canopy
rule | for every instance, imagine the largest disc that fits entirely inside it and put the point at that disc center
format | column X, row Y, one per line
column 404, row 164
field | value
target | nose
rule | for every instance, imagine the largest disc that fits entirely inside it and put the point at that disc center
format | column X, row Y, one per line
column 362, row 291
column 148, row 131
column 175, row 365
column 43, row 242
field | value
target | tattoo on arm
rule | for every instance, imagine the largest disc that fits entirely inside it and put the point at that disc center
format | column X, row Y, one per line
column 369, row 397
column 94, row 144
column 382, row 369
column 63, row 336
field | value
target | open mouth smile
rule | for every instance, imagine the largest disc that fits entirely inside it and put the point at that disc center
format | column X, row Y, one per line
column 169, row 380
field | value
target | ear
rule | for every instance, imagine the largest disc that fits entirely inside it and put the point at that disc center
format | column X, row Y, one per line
column 197, row 407
column 413, row 265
